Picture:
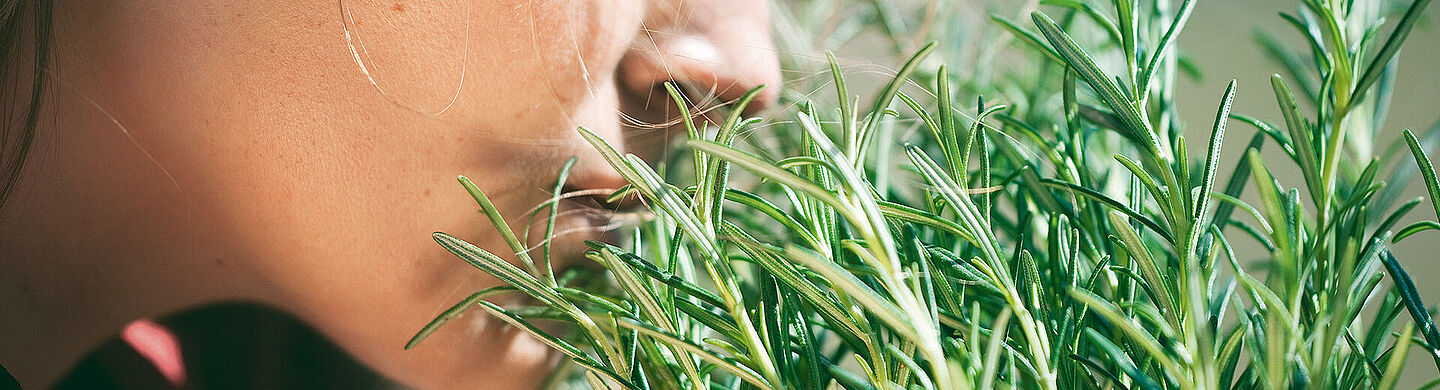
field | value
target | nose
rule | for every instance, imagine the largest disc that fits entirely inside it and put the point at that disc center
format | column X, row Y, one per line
column 713, row 49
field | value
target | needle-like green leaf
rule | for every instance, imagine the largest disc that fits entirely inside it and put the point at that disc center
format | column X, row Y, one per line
column 501, row 226
column 1392, row 46
column 1109, row 93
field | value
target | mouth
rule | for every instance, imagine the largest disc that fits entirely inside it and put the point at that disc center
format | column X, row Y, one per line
column 580, row 214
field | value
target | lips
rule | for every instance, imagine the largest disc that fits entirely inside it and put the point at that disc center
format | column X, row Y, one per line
column 587, row 176
column 582, row 214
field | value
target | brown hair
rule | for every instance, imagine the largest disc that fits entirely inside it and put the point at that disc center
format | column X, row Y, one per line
column 17, row 129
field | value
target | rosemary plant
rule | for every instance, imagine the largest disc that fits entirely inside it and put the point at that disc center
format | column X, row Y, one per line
column 1015, row 244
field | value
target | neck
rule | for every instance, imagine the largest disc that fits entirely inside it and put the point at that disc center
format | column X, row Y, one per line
column 70, row 281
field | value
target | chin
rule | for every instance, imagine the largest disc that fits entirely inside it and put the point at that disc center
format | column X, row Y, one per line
column 479, row 351
column 488, row 355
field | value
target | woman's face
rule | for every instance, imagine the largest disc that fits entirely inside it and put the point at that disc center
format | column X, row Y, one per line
column 300, row 153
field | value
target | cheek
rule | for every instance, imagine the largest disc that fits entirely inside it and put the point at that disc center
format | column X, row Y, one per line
column 532, row 71
column 327, row 179
column 470, row 62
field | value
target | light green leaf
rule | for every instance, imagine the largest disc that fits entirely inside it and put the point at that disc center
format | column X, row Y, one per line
column 680, row 343
column 1109, row 92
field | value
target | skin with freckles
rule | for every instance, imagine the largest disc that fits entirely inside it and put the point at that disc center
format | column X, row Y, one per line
column 300, row 153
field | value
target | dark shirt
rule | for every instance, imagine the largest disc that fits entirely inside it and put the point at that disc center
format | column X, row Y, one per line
column 227, row 346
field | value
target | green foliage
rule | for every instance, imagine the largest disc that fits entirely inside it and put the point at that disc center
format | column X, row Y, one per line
column 1021, row 247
